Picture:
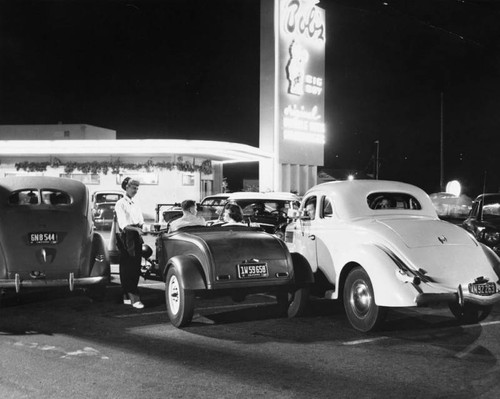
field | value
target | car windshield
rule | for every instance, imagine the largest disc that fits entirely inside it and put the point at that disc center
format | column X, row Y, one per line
column 392, row 201
column 260, row 207
column 213, row 202
column 107, row 197
column 491, row 208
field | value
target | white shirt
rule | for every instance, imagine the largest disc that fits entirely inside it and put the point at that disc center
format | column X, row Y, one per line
column 128, row 212
column 187, row 220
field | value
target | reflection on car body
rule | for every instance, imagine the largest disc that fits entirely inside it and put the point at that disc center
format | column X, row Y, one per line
column 46, row 236
column 374, row 257
column 484, row 220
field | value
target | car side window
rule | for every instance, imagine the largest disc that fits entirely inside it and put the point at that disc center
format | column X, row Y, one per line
column 326, row 208
column 310, row 207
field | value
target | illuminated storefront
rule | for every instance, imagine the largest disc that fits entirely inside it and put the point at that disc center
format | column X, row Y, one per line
column 292, row 124
column 169, row 170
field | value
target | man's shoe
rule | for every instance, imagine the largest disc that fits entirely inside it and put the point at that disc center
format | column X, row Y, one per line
column 138, row 305
column 127, row 302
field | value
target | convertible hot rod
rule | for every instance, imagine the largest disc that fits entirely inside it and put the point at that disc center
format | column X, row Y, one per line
column 233, row 260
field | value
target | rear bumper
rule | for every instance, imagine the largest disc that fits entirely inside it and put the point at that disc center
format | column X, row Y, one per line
column 71, row 282
column 457, row 297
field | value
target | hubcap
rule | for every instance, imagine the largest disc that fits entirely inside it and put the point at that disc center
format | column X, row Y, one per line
column 173, row 295
column 360, row 298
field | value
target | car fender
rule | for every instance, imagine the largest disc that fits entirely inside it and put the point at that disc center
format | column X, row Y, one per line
column 190, row 271
column 388, row 289
column 301, row 270
column 100, row 263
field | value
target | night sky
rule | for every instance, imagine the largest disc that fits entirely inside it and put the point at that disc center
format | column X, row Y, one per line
column 190, row 69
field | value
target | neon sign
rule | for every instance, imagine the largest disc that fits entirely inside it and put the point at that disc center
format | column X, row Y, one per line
column 302, row 18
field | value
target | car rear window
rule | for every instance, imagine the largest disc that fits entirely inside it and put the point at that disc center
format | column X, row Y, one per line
column 31, row 196
column 383, row 200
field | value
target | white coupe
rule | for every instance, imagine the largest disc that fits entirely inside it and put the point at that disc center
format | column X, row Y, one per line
column 379, row 244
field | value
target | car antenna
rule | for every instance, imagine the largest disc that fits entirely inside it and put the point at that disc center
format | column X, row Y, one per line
column 484, row 191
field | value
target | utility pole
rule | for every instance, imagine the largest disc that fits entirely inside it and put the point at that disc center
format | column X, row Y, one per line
column 376, row 159
column 441, row 181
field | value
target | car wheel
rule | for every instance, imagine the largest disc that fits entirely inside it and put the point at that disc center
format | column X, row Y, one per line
column 180, row 302
column 294, row 304
column 359, row 302
column 469, row 313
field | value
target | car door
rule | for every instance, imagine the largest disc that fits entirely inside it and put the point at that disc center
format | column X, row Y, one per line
column 326, row 231
column 305, row 240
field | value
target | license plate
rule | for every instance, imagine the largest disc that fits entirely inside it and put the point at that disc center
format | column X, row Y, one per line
column 252, row 270
column 483, row 289
column 43, row 238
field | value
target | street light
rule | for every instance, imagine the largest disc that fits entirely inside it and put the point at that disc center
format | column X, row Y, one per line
column 376, row 159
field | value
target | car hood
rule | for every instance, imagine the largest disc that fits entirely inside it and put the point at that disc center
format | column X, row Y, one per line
column 418, row 233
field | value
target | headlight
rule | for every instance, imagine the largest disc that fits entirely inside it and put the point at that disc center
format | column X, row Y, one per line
column 491, row 237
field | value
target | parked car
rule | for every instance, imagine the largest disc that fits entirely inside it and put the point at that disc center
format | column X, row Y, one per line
column 450, row 206
column 211, row 206
column 103, row 208
column 483, row 221
column 379, row 244
column 46, row 236
column 235, row 261
column 266, row 210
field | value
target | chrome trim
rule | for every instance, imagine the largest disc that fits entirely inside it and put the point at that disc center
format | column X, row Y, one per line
column 17, row 283
column 404, row 267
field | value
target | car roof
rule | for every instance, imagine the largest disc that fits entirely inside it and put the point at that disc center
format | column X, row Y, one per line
column 350, row 197
column 264, row 196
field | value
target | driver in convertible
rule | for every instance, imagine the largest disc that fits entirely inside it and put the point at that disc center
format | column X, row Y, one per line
column 189, row 217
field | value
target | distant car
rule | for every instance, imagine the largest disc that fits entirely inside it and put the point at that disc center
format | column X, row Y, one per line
column 46, row 236
column 484, row 220
column 268, row 211
column 211, row 206
column 235, row 261
column 103, row 208
column 379, row 244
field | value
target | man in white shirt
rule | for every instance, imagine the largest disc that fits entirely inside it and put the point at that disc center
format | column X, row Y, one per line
column 130, row 222
column 188, row 218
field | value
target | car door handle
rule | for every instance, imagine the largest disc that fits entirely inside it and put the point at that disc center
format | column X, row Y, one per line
column 312, row 237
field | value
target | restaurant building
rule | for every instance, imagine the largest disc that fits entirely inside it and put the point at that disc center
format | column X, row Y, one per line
column 169, row 170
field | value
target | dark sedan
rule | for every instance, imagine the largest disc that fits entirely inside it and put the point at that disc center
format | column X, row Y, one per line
column 484, row 220
column 46, row 236
column 103, row 207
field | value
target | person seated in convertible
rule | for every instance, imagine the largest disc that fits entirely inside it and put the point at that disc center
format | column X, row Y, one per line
column 233, row 215
column 188, row 218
